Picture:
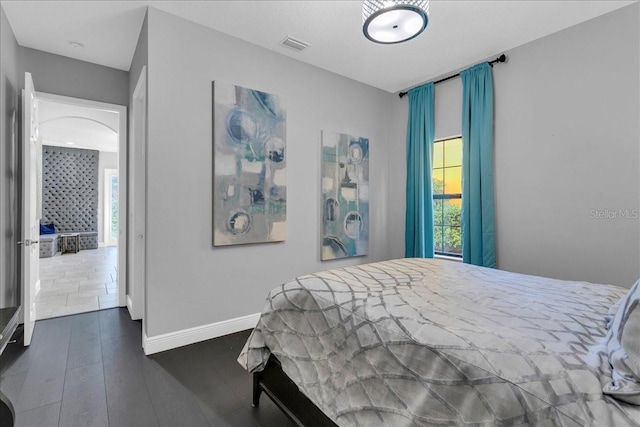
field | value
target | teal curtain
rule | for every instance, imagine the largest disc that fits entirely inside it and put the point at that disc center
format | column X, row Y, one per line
column 478, row 222
column 420, row 134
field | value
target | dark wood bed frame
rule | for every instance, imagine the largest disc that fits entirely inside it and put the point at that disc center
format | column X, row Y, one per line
column 286, row 395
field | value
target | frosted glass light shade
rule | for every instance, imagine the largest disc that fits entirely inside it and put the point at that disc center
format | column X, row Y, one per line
column 389, row 22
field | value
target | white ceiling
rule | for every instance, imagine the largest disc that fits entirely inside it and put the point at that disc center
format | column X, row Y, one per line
column 460, row 33
column 67, row 125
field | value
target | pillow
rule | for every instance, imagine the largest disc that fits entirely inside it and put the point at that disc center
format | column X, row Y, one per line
column 623, row 346
column 47, row 229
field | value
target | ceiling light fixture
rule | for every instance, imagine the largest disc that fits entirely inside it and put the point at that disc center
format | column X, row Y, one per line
column 390, row 22
column 70, row 143
column 75, row 44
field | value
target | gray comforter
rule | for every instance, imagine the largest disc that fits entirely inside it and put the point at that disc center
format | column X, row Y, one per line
column 418, row 342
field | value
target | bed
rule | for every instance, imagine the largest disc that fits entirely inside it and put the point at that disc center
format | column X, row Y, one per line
column 421, row 342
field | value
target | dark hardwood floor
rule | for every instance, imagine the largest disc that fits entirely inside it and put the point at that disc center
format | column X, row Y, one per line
column 90, row 370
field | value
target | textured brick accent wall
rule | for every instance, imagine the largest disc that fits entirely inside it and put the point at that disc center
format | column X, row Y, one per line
column 70, row 192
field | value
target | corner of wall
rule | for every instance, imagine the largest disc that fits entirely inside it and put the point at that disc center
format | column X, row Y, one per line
column 9, row 168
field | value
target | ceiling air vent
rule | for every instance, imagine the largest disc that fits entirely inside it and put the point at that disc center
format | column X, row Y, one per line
column 294, row 44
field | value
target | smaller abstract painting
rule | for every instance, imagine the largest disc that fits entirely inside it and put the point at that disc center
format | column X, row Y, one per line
column 345, row 196
column 249, row 173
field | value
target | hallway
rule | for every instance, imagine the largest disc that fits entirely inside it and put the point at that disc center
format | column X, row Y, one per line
column 77, row 283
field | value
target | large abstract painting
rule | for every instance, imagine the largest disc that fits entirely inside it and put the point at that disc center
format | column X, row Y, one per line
column 345, row 196
column 249, row 177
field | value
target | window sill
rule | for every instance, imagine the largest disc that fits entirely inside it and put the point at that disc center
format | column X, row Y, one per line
column 448, row 258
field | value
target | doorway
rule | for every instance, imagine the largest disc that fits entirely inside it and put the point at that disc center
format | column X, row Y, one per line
column 82, row 168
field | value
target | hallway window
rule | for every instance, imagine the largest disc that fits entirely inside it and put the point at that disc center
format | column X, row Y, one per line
column 113, row 212
column 111, row 187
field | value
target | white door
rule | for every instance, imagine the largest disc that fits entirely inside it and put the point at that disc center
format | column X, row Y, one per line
column 137, row 201
column 30, row 279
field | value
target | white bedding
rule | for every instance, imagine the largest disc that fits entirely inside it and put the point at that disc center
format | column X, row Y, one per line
column 419, row 342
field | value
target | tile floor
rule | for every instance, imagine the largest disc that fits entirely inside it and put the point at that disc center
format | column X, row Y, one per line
column 89, row 370
column 77, row 283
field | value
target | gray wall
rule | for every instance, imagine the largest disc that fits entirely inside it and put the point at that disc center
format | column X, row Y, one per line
column 9, row 156
column 189, row 282
column 566, row 144
column 60, row 75
column 140, row 57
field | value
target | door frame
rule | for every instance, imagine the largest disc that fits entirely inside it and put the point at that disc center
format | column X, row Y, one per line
column 137, row 192
column 122, row 178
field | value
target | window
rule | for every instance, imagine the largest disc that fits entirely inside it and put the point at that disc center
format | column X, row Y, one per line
column 447, row 196
column 113, row 212
column 111, row 207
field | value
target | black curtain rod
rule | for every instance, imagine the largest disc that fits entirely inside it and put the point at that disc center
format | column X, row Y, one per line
column 501, row 58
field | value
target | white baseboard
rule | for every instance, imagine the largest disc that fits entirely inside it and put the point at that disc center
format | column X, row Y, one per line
column 200, row 333
column 130, row 307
